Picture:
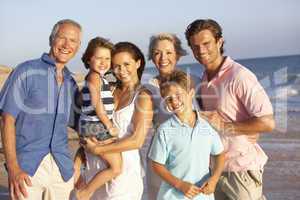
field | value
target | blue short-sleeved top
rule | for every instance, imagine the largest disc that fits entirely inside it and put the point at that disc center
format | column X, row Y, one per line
column 42, row 110
column 185, row 152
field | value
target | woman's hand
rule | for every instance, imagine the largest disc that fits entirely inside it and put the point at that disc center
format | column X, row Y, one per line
column 89, row 144
column 114, row 131
column 94, row 146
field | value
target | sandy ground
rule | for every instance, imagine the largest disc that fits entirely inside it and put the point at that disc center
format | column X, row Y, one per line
column 282, row 172
column 281, row 177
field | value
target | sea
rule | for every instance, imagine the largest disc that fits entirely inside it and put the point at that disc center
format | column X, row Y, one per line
column 280, row 77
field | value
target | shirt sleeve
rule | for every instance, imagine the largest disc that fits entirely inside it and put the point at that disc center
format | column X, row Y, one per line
column 75, row 109
column 216, row 145
column 13, row 93
column 4, row 91
column 158, row 150
column 253, row 95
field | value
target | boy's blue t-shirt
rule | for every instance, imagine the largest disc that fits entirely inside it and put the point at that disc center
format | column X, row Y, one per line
column 185, row 152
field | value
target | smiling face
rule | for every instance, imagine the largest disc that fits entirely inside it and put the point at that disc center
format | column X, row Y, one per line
column 206, row 49
column 164, row 57
column 177, row 99
column 65, row 44
column 100, row 60
column 125, row 67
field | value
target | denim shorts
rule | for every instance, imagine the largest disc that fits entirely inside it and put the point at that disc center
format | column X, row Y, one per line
column 94, row 128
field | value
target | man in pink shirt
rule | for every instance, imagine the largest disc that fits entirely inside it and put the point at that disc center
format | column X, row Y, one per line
column 240, row 109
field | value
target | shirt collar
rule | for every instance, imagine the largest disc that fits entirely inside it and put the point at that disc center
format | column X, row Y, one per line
column 226, row 65
column 154, row 81
column 175, row 121
column 51, row 63
column 46, row 58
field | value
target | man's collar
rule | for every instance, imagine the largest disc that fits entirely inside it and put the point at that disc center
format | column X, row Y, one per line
column 225, row 66
column 67, row 73
column 47, row 59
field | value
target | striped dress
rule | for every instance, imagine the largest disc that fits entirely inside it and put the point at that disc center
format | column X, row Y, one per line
column 90, row 124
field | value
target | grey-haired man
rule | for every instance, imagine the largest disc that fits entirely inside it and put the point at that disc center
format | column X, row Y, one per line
column 35, row 105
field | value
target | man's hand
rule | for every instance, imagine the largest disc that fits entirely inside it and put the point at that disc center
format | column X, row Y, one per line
column 209, row 186
column 215, row 120
column 225, row 128
column 189, row 190
column 253, row 138
column 17, row 179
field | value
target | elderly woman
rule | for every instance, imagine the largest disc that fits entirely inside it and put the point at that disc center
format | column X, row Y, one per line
column 165, row 50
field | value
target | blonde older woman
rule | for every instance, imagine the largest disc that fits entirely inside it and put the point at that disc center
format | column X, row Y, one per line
column 165, row 50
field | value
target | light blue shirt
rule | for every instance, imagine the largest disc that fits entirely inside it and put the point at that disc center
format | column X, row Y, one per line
column 185, row 152
column 42, row 111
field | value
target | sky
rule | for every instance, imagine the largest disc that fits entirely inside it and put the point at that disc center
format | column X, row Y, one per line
column 251, row 28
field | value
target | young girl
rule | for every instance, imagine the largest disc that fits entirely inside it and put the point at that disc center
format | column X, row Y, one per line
column 95, row 120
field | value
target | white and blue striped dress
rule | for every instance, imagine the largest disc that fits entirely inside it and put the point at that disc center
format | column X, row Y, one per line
column 90, row 124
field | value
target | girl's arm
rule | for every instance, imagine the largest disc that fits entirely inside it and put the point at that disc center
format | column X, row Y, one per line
column 94, row 85
column 141, row 122
column 78, row 161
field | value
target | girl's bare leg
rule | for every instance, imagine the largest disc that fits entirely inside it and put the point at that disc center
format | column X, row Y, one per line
column 114, row 161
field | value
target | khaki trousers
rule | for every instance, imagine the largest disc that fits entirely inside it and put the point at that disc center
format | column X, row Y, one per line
column 47, row 182
column 245, row 185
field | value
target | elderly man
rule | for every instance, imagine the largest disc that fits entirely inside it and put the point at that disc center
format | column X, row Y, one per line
column 35, row 104
column 240, row 108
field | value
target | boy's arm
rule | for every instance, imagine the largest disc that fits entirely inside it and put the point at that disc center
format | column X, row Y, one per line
column 209, row 186
column 188, row 189
column 219, row 161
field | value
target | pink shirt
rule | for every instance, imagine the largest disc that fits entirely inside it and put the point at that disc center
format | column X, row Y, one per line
column 237, row 95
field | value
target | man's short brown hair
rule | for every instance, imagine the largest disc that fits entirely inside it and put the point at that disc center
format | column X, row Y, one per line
column 204, row 24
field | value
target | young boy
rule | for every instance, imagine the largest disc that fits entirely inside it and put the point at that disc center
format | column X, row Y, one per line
column 182, row 146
